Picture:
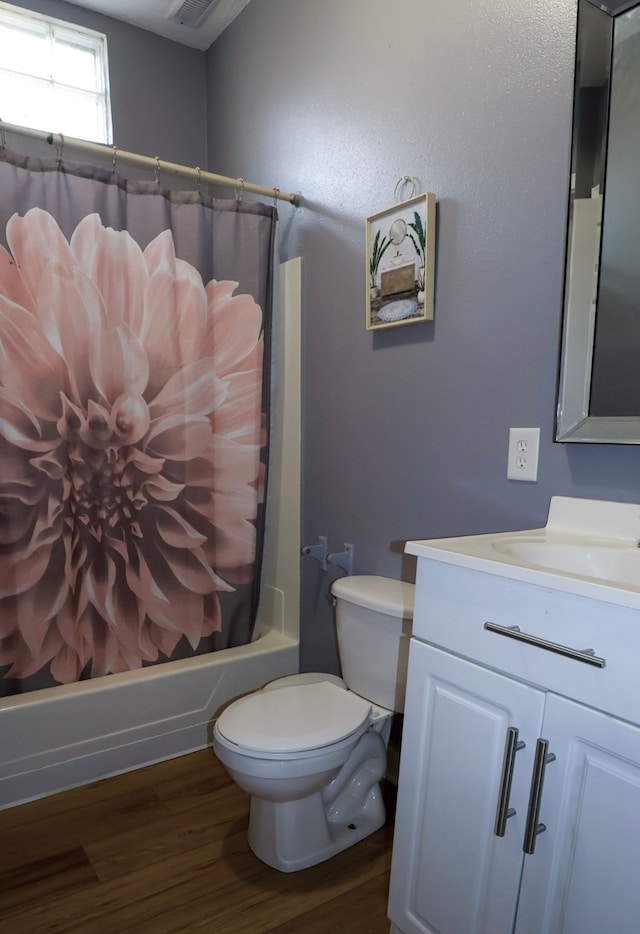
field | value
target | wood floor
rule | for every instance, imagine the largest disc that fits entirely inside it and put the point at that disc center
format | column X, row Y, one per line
column 163, row 850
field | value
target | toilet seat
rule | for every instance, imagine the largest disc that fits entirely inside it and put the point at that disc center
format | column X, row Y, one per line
column 299, row 719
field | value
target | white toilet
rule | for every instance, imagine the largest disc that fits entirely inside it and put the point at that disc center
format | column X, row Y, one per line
column 311, row 749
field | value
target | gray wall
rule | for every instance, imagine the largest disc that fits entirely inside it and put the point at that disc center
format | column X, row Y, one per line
column 158, row 88
column 406, row 430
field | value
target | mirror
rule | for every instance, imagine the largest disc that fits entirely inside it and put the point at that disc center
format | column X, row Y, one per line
column 599, row 393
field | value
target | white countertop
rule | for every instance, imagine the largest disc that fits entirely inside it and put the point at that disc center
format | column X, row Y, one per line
column 590, row 529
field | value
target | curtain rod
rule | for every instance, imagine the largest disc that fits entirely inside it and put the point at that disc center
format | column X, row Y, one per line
column 146, row 162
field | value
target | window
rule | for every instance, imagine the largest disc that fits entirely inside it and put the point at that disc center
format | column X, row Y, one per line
column 53, row 75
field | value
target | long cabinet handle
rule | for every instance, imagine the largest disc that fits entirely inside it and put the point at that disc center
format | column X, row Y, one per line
column 503, row 811
column 587, row 656
column 533, row 828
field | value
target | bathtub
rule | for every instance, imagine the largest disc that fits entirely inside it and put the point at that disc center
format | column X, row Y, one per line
column 69, row 735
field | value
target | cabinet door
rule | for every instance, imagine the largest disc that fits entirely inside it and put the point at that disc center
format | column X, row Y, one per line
column 583, row 876
column 450, row 873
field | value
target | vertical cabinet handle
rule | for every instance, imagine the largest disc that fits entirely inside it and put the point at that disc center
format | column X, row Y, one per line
column 503, row 811
column 533, row 828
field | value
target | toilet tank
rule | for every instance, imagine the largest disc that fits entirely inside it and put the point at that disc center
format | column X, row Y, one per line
column 373, row 622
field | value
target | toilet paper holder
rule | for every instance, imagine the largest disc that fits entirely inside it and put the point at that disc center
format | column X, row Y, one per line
column 318, row 552
column 343, row 559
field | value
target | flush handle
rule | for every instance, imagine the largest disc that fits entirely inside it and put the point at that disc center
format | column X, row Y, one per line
column 587, row 656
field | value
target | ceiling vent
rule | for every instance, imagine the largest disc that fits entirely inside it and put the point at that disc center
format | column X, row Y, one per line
column 191, row 12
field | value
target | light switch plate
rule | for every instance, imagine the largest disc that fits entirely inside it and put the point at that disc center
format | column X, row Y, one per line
column 522, row 460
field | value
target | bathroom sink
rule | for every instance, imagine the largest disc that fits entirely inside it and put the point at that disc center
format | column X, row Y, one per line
column 587, row 547
column 607, row 561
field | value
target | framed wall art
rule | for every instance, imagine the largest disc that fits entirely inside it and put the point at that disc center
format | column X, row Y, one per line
column 400, row 254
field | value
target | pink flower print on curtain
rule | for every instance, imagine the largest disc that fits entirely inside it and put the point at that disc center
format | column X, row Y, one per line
column 130, row 434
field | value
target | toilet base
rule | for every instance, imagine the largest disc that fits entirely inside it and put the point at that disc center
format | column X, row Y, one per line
column 294, row 835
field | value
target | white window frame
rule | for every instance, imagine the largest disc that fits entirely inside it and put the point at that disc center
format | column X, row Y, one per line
column 55, row 33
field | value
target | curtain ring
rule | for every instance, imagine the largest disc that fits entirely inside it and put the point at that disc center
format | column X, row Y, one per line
column 115, row 153
column 398, row 190
column 198, row 172
column 240, row 196
column 3, row 138
column 276, row 192
column 60, row 147
column 157, row 170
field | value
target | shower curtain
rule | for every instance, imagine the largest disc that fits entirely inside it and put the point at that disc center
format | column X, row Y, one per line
column 134, row 330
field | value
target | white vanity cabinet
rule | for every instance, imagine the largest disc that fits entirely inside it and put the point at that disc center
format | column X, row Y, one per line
column 584, row 875
column 509, row 746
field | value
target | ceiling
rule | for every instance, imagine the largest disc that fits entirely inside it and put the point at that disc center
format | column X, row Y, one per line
column 155, row 16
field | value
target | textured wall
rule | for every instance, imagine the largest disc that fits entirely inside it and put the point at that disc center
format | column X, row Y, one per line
column 405, row 430
column 158, row 89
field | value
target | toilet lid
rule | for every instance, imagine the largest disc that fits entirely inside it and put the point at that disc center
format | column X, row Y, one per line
column 293, row 719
